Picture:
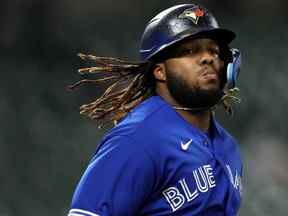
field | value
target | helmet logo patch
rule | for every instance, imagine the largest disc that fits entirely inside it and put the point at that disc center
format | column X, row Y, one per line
column 192, row 14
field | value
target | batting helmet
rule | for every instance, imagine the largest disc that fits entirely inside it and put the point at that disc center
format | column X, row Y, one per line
column 180, row 22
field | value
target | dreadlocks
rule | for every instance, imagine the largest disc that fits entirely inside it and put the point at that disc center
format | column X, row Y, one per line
column 130, row 86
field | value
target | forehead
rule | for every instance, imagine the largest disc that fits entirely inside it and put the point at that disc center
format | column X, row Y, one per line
column 197, row 43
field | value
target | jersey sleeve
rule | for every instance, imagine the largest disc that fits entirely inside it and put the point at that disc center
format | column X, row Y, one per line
column 116, row 182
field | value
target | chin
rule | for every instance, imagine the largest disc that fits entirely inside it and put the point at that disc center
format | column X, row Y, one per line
column 211, row 87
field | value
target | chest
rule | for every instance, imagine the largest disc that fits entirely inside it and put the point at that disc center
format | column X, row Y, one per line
column 197, row 179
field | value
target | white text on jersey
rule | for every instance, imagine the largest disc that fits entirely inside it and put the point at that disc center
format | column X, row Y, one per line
column 204, row 179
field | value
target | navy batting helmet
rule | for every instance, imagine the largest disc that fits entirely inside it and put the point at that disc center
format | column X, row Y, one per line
column 180, row 22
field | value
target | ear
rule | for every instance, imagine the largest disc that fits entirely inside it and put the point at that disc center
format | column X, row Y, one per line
column 159, row 72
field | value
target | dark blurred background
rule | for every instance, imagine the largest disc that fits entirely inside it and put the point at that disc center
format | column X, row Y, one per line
column 45, row 144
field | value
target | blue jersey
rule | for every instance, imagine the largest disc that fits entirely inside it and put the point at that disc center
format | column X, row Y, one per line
column 156, row 163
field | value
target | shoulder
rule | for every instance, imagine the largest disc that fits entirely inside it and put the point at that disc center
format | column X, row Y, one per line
column 227, row 136
column 229, row 147
column 228, row 141
column 149, row 117
column 139, row 116
column 145, row 130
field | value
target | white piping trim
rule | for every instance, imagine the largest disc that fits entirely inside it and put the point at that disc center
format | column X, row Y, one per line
column 77, row 212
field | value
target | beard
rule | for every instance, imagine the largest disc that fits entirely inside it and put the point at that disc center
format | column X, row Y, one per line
column 192, row 97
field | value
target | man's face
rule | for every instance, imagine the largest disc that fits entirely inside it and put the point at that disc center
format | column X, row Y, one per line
column 194, row 73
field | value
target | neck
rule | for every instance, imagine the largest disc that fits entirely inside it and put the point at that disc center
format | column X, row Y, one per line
column 201, row 120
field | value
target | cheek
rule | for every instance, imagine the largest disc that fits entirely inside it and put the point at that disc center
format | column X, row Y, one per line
column 219, row 65
column 184, row 69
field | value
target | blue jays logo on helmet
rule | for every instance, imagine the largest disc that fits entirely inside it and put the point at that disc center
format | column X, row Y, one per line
column 193, row 14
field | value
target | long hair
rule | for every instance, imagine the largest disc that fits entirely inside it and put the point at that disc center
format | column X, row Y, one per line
column 130, row 84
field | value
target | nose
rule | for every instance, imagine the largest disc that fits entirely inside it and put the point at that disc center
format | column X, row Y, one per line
column 206, row 58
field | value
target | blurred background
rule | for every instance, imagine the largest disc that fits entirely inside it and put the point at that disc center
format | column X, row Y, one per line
column 45, row 144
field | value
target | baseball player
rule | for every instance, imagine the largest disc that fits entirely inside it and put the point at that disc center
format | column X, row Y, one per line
column 166, row 154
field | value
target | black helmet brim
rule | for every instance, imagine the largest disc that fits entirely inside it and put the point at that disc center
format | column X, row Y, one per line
column 220, row 35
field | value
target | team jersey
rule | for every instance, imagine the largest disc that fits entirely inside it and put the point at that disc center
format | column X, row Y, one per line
column 156, row 163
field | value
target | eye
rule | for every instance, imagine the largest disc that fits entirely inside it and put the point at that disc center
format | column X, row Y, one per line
column 215, row 51
column 186, row 52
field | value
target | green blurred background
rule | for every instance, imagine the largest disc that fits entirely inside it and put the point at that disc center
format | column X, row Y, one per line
column 45, row 145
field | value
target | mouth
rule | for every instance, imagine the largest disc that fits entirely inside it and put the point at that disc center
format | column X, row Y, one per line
column 210, row 74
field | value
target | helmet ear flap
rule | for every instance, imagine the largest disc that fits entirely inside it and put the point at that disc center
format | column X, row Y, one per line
column 233, row 68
